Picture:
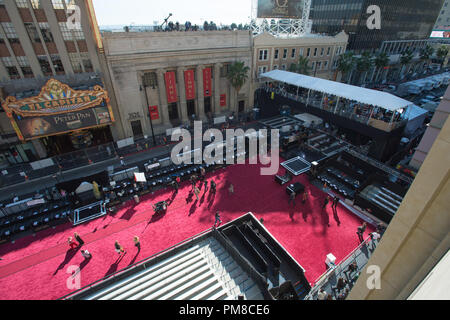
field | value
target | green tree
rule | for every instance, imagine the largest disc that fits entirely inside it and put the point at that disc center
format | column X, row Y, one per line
column 363, row 65
column 405, row 59
column 345, row 64
column 381, row 61
column 442, row 52
column 425, row 54
column 237, row 75
column 303, row 65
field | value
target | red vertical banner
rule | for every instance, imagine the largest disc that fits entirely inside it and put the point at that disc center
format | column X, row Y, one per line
column 189, row 83
column 171, row 87
column 223, row 100
column 207, row 82
column 154, row 113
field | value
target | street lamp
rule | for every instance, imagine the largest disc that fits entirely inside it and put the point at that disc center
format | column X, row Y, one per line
column 148, row 106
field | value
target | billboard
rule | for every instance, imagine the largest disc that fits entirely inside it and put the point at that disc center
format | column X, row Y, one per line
column 280, row 9
column 58, row 109
column 207, row 82
column 171, row 87
column 440, row 34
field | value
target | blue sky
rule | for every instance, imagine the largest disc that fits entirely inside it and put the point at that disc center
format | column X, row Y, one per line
column 145, row 12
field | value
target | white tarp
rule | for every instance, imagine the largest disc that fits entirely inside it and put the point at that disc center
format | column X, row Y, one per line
column 139, row 177
column 308, row 118
column 363, row 95
column 84, row 186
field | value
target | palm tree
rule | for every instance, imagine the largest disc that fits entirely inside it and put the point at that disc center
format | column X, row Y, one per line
column 442, row 52
column 405, row 59
column 237, row 75
column 425, row 54
column 345, row 64
column 293, row 67
column 303, row 65
column 381, row 61
column 363, row 64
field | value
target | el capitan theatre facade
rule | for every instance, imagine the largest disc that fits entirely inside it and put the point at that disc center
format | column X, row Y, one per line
column 60, row 110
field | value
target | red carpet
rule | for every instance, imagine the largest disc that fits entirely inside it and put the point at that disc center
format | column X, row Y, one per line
column 35, row 267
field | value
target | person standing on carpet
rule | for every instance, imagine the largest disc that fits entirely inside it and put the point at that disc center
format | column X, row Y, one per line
column 213, row 187
column 196, row 191
column 86, row 254
column 325, row 202
column 292, row 198
column 361, row 230
column 305, row 196
column 72, row 243
column 119, row 248
column 206, row 185
column 335, row 203
column 217, row 219
column 137, row 243
column 78, row 238
column 231, row 189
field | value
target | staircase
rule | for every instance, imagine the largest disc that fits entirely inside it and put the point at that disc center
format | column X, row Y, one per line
column 383, row 197
column 202, row 272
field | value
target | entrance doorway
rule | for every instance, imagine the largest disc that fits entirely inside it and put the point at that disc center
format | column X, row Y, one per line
column 136, row 127
column 241, row 106
column 207, row 105
column 190, row 104
column 173, row 112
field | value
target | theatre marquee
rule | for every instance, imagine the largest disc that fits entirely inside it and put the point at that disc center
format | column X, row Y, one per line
column 58, row 109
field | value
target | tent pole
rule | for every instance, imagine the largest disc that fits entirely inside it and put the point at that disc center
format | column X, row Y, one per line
column 370, row 116
column 297, row 92
column 307, row 99
column 321, row 101
column 337, row 102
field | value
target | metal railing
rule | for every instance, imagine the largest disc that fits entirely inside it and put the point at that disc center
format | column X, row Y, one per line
column 337, row 269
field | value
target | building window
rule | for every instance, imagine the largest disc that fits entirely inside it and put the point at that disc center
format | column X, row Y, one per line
column 293, row 53
column 328, row 51
column 10, row 32
column 263, row 55
column 21, row 3
column 325, row 65
column 58, row 4
column 262, row 70
column 86, row 62
column 315, row 52
column 150, row 79
column 319, row 65
column 308, row 52
column 224, row 70
column 10, row 67
column 300, row 53
column 313, row 65
column 276, row 54
column 283, row 67
column 45, row 31
column 75, row 62
column 36, row 4
column 322, row 50
column 45, row 65
column 285, row 53
column 32, row 32
column 275, row 67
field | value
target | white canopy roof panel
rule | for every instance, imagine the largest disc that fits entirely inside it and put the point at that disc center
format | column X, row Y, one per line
column 363, row 95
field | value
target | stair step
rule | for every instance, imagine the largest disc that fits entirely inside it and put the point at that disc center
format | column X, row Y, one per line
column 179, row 258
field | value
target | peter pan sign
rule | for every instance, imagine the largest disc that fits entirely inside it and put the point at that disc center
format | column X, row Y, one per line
column 58, row 109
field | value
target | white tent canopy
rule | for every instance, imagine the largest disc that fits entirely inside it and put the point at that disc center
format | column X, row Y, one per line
column 363, row 95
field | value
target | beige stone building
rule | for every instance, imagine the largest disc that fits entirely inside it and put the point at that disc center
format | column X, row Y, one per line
column 437, row 122
column 270, row 52
column 415, row 244
column 176, row 74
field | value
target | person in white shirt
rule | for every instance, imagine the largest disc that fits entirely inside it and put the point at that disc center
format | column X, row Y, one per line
column 86, row 254
column 322, row 295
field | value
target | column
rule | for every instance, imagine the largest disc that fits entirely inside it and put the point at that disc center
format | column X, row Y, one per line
column 217, row 67
column 182, row 91
column 164, row 108
column 200, row 98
